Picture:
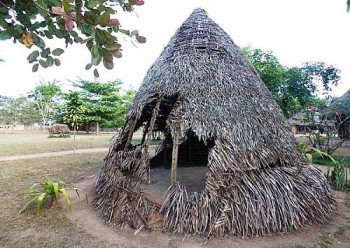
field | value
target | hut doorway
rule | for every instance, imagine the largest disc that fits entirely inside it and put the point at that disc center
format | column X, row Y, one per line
column 192, row 159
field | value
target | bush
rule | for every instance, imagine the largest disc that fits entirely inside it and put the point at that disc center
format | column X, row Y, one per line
column 49, row 191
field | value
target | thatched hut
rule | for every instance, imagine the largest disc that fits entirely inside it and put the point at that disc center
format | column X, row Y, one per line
column 214, row 111
column 342, row 108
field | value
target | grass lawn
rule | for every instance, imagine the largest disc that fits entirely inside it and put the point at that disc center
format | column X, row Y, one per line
column 51, row 228
column 19, row 143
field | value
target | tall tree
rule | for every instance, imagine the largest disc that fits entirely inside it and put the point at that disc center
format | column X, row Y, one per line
column 45, row 95
column 292, row 87
column 90, row 22
column 103, row 102
column 269, row 68
column 6, row 116
column 75, row 108
column 18, row 111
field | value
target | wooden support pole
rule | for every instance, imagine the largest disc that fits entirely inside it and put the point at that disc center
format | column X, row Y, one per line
column 149, row 134
column 145, row 132
column 131, row 132
column 175, row 153
column 189, row 146
column 165, row 143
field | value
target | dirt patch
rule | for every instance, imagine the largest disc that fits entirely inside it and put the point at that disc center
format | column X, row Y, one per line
column 334, row 234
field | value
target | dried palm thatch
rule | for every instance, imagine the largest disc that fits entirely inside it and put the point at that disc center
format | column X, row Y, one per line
column 342, row 104
column 202, row 86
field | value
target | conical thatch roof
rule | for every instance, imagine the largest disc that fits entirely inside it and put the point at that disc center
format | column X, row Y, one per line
column 342, row 104
column 221, row 94
column 257, row 182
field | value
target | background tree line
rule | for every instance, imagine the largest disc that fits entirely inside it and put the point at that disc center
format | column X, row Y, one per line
column 294, row 88
column 92, row 105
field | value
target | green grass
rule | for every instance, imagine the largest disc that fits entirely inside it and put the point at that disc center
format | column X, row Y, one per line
column 325, row 161
column 28, row 229
column 38, row 142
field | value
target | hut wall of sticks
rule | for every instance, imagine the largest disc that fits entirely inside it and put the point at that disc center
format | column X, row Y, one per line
column 341, row 106
column 203, row 89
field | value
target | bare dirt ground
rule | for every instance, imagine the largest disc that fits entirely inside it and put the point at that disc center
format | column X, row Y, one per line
column 82, row 227
column 334, row 234
column 54, row 154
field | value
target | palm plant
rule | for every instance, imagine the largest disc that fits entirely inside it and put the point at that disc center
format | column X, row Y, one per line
column 338, row 176
column 51, row 191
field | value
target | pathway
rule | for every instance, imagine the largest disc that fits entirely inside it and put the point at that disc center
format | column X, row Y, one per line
column 53, row 154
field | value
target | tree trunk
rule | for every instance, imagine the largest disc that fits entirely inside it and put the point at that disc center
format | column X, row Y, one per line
column 97, row 128
column 74, row 130
column 174, row 157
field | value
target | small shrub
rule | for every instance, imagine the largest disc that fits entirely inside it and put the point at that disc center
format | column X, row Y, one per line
column 338, row 176
column 62, row 135
column 51, row 191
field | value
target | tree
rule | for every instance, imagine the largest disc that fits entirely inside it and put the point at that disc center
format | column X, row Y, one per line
column 103, row 103
column 89, row 22
column 45, row 95
column 302, row 84
column 17, row 111
column 269, row 68
column 6, row 117
column 25, row 111
column 75, row 108
column 293, row 88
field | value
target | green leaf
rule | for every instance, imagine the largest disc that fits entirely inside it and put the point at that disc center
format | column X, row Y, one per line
column 309, row 157
column 66, row 196
column 38, row 41
column 96, row 74
column 35, row 67
column 48, row 34
column 39, row 202
column 45, row 52
column 94, row 51
column 43, row 63
column 5, row 35
column 90, row 17
column 49, row 61
column 55, row 189
column 26, row 205
column 107, row 59
column 33, row 56
column 88, row 66
column 104, row 18
column 57, row 51
column 57, row 62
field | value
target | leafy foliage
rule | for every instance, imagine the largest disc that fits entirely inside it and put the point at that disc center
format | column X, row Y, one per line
column 337, row 176
column 89, row 22
column 104, row 103
column 293, row 88
column 269, row 68
column 18, row 111
column 75, row 107
column 44, row 96
column 51, row 190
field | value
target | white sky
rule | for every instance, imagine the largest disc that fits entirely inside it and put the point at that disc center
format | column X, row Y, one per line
column 295, row 31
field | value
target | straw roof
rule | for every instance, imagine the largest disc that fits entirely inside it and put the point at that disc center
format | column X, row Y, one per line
column 342, row 104
column 221, row 94
column 257, row 180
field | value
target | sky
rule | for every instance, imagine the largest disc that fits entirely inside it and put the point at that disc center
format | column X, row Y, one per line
column 295, row 31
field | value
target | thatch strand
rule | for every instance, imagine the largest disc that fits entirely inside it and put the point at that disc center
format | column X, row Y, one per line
column 250, row 204
column 257, row 182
